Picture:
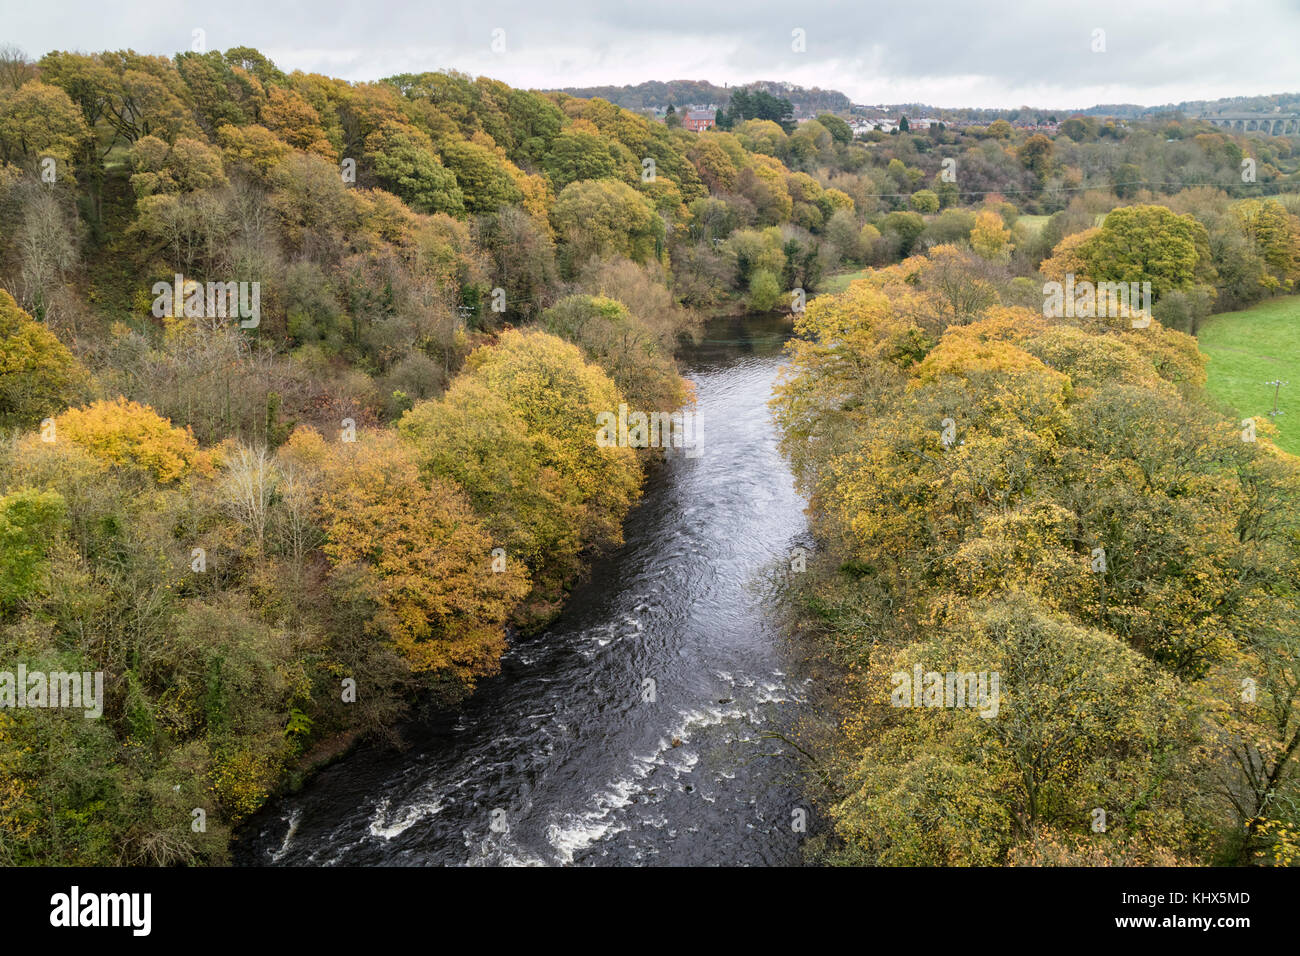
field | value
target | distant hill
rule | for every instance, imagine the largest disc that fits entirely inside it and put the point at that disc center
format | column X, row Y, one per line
column 656, row 95
column 1286, row 102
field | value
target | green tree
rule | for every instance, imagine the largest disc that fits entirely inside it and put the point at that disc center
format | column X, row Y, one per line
column 840, row 131
column 39, row 120
column 904, row 228
column 603, row 217
column 481, row 175
column 764, row 290
column 1147, row 244
column 924, row 201
column 1035, row 154
column 30, row 521
column 576, row 154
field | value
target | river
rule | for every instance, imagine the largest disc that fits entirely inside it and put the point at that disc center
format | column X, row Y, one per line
column 571, row 755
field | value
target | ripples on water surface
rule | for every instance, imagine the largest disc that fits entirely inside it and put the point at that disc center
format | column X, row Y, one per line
column 584, row 770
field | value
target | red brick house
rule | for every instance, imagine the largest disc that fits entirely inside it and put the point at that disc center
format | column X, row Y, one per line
column 697, row 120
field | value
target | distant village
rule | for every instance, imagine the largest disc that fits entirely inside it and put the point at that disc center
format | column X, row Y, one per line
column 876, row 119
column 862, row 119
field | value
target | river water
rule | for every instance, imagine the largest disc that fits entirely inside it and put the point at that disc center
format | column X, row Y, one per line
column 570, row 755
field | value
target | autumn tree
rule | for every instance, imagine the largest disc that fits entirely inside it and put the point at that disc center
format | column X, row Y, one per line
column 517, row 430
column 38, row 375
column 1050, row 501
column 639, row 361
column 38, row 120
column 603, row 217
column 1147, row 244
column 427, row 562
column 183, row 166
column 127, row 434
column 990, row 238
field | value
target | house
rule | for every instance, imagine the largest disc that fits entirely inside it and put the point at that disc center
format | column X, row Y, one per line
column 697, row 120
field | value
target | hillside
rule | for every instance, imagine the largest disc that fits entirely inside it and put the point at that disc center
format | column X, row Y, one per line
column 657, row 95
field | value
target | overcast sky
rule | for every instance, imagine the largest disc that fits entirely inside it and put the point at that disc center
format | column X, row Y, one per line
column 1005, row 54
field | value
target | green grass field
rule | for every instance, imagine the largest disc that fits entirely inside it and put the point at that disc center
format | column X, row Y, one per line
column 840, row 281
column 1034, row 224
column 1249, row 348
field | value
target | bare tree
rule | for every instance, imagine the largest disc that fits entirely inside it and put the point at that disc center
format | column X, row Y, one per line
column 15, row 68
column 249, row 487
column 47, row 246
column 296, row 528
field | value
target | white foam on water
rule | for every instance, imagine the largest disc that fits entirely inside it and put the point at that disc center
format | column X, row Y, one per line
column 343, row 851
column 580, row 832
column 294, row 817
column 498, row 850
column 382, row 827
column 568, row 840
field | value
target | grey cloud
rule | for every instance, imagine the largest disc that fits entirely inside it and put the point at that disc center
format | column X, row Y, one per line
column 1010, row 52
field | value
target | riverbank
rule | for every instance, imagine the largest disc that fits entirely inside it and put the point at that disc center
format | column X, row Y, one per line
column 719, row 332
column 632, row 729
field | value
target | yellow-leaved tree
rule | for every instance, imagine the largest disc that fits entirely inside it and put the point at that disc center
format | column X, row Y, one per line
column 128, row 434
column 419, row 553
column 38, row 375
column 517, row 430
column 990, row 238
